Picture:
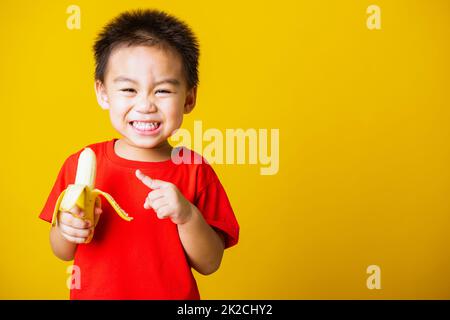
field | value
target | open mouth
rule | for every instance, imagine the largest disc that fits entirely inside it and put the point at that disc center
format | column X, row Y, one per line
column 145, row 127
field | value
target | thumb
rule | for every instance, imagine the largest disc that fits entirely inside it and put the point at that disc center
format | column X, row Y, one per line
column 98, row 206
column 97, row 210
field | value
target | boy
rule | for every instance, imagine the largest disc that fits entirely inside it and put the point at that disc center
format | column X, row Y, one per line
column 146, row 76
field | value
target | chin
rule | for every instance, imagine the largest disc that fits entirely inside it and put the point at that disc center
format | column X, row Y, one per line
column 142, row 143
column 147, row 142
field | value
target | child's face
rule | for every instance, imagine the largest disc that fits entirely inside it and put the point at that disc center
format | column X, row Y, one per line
column 143, row 109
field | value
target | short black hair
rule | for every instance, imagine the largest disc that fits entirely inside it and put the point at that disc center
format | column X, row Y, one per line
column 148, row 27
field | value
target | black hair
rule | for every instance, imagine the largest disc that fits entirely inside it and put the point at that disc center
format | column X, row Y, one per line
column 148, row 27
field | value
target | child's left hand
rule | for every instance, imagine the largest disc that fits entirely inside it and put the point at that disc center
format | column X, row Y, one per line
column 166, row 200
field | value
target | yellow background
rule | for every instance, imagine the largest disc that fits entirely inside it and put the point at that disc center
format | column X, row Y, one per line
column 364, row 126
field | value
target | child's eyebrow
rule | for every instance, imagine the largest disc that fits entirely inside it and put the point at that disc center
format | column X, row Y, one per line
column 175, row 82
column 124, row 79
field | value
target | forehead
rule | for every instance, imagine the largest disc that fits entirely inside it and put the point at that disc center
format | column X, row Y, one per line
column 144, row 63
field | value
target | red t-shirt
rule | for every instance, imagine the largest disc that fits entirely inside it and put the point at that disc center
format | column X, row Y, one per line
column 143, row 258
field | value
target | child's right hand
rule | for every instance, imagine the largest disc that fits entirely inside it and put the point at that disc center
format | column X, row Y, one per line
column 73, row 228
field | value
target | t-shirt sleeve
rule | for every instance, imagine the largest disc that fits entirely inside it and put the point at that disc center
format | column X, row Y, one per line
column 213, row 203
column 61, row 183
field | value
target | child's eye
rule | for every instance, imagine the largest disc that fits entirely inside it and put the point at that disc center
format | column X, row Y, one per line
column 162, row 91
column 128, row 90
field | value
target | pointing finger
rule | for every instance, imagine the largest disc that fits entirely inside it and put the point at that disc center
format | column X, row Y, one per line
column 145, row 179
column 149, row 182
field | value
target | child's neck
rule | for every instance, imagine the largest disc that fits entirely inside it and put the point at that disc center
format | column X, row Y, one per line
column 161, row 152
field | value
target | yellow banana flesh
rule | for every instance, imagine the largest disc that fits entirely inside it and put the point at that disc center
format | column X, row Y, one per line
column 83, row 194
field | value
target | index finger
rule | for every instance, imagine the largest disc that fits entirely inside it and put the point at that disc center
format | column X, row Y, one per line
column 145, row 179
column 149, row 182
column 68, row 219
column 76, row 211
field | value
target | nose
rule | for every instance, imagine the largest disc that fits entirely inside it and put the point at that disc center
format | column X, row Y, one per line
column 146, row 105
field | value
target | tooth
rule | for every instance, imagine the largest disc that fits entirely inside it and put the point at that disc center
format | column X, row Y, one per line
column 145, row 125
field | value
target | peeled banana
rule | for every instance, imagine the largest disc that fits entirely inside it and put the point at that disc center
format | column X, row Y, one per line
column 83, row 194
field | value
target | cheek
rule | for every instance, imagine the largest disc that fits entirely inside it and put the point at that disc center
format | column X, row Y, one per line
column 115, row 119
column 173, row 114
column 118, row 110
column 120, row 103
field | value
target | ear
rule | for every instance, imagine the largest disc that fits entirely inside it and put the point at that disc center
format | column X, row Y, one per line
column 191, row 98
column 102, row 97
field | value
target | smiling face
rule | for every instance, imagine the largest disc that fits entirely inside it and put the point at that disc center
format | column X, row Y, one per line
column 146, row 94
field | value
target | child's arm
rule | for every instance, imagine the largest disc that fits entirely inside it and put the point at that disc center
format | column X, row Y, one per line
column 61, row 247
column 203, row 245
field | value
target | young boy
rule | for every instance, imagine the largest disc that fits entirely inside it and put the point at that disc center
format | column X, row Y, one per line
column 146, row 76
